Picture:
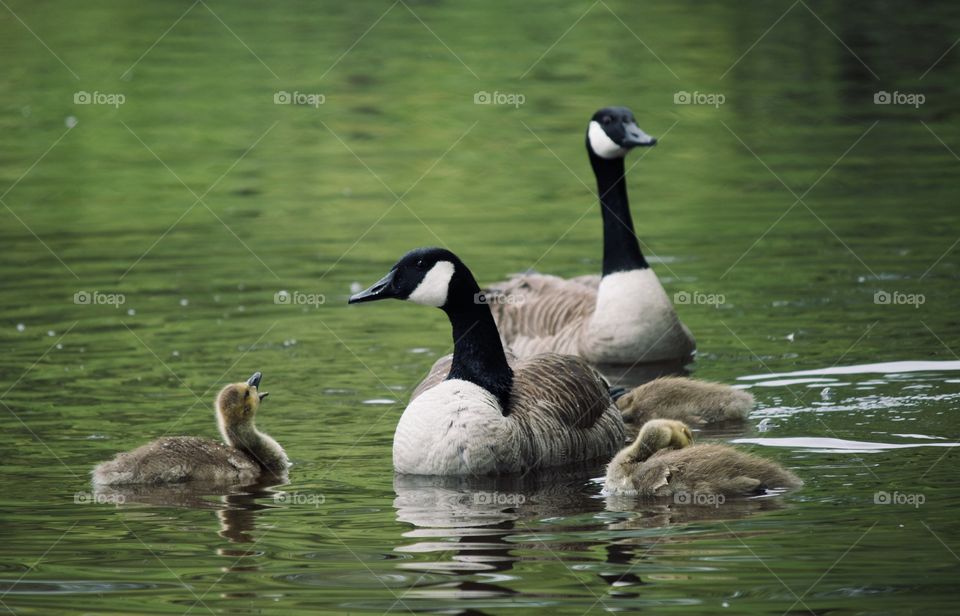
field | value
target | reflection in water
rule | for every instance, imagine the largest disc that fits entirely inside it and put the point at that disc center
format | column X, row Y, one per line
column 836, row 445
column 893, row 367
column 633, row 376
column 236, row 508
column 484, row 526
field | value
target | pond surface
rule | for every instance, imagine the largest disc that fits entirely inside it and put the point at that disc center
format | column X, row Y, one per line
column 809, row 234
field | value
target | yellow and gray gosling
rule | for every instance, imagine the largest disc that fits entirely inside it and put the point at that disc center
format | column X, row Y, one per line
column 663, row 461
column 690, row 401
column 247, row 454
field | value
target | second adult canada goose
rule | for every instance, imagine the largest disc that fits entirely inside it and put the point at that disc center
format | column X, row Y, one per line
column 486, row 416
column 663, row 461
column 247, row 455
column 621, row 317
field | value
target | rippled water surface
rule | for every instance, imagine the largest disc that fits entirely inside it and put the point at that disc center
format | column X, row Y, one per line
column 144, row 245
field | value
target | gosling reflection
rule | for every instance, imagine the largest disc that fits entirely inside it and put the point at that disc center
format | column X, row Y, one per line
column 239, row 514
column 236, row 506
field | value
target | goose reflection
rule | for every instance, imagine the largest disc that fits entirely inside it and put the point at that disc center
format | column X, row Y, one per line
column 629, row 377
column 472, row 524
column 481, row 527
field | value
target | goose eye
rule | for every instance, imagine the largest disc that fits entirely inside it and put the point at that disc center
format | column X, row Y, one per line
column 420, row 264
column 607, row 119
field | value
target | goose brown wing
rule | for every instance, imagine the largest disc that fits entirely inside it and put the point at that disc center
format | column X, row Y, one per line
column 539, row 306
column 560, row 389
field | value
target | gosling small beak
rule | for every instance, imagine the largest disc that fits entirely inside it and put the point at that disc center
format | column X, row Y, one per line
column 379, row 290
column 633, row 136
column 263, row 394
column 254, row 381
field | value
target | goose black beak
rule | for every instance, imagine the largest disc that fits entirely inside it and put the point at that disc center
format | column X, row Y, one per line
column 254, row 381
column 633, row 136
column 379, row 290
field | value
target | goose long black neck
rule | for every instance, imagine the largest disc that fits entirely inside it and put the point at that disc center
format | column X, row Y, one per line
column 478, row 354
column 621, row 250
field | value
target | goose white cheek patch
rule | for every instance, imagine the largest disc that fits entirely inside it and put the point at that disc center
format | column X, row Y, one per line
column 432, row 290
column 603, row 145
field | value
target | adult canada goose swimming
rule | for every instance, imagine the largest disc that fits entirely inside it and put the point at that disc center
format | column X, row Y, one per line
column 663, row 461
column 621, row 317
column 247, row 455
column 481, row 415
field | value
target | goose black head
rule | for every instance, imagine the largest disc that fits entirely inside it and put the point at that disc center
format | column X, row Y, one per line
column 429, row 276
column 613, row 132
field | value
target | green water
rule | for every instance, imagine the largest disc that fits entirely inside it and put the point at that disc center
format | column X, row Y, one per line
column 198, row 199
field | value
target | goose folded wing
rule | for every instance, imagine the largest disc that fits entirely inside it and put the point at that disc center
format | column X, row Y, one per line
column 538, row 305
column 559, row 389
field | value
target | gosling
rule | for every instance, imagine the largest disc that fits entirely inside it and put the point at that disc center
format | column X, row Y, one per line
column 663, row 462
column 247, row 455
column 690, row 401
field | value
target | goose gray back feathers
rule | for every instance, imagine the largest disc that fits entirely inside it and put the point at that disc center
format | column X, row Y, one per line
column 620, row 319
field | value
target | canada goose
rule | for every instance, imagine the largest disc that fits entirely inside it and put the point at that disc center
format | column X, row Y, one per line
column 248, row 453
column 484, row 416
column 623, row 317
column 663, row 461
column 688, row 400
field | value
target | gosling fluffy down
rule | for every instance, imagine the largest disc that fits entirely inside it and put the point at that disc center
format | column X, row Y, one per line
column 663, row 461
column 690, row 401
column 247, row 454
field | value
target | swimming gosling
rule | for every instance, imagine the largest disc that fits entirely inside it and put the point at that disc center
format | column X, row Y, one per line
column 663, row 461
column 247, row 455
column 688, row 400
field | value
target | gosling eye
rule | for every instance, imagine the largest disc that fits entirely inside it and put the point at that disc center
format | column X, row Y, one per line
column 246, row 394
